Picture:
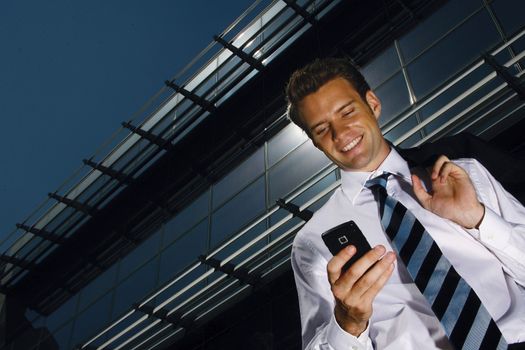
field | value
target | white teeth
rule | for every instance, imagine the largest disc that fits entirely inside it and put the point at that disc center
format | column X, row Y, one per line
column 352, row 144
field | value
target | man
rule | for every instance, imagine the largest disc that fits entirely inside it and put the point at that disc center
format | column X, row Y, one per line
column 478, row 226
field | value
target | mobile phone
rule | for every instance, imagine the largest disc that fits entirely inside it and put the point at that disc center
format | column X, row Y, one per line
column 343, row 235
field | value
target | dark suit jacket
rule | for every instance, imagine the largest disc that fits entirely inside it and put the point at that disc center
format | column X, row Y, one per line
column 507, row 169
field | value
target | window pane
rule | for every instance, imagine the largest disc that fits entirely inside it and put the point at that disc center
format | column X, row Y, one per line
column 140, row 255
column 452, row 54
column 454, row 92
column 241, row 241
column 449, row 15
column 178, row 286
column 300, row 200
column 91, row 320
column 62, row 314
column 314, row 190
column 183, row 251
column 293, row 170
column 116, row 329
column 97, row 287
column 62, row 337
column 508, row 15
column 381, row 67
column 135, row 288
column 237, row 212
column 239, row 177
column 284, row 142
column 401, row 129
column 187, row 218
column 393, row 95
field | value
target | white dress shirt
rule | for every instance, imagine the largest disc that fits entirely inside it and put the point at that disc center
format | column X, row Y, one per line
column 491, row 260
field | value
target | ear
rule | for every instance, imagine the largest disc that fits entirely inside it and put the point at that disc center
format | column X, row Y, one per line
column 374, row 103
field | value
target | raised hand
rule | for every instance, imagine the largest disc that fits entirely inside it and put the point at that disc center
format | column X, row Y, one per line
column 452, row 196
column 354, row 290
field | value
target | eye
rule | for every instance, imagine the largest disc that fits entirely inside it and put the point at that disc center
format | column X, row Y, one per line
column 347, row 112
column 320, row 130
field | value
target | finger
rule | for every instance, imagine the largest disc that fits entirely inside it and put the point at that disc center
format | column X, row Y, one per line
column 421, row 194
column 370, row 278
column 358, row 268
column 375, row 288
column 335, row 265
column 437, row 166
column 445, row 171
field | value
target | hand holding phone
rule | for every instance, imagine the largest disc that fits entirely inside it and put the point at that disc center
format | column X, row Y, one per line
column 354, row 292
column 343, row 235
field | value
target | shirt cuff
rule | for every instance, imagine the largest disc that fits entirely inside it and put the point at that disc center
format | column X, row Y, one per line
column 340, row 339
column 493, row 230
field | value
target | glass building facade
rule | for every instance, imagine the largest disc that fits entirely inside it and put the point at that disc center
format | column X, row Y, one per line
column 425, row 79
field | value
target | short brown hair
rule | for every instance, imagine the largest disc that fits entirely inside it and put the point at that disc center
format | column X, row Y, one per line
column 309, row 79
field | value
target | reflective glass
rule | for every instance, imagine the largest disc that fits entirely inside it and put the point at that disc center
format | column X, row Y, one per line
column 239, row 177
column 179, row 285
column 130, row 154
column 401, row 129
column 510, row 19
column 454, row 92
column 495, row 121
column 225, row 69
column 284, row 142
column 32, row 248
column 294, row 169
column 432, row 28
column 227, row 90
column 183, row 251
column 241, row 241
column 278, row 216
column 97, row 287
column 275, row 23
column 238, row 211
column 91, row 320
column 140, row 254
column 116, row 329
column 135, row 288
column 394, row 98
column 26, row 340
column 381, row 67
column 58, row 220
column 62, row 336
column 314, row 190
column 270, row 47
column 93, row 188
column 233, row 74
column 252, row 44
column 62, row 314
column 186, row 218
column 71, row 224
column 452, row 54
column 205, row 88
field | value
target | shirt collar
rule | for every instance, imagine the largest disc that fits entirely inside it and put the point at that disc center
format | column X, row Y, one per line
column 353, row 182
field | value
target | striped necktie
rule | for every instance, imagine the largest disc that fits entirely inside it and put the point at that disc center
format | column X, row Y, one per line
column 467, row 323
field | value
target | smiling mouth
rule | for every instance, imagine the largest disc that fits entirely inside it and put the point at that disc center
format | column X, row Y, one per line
column 352, row 144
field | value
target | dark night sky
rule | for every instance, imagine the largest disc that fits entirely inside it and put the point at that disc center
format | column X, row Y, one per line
column 72, row 71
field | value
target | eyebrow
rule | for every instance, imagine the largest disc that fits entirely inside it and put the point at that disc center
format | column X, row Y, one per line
column 312, row 128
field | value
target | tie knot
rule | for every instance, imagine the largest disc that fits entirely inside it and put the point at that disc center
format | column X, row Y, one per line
column 379, row 181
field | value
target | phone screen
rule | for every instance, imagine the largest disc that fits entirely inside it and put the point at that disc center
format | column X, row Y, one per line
column 343, row 235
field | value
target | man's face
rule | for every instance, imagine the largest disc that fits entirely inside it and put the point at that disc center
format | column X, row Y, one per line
column 344, row 126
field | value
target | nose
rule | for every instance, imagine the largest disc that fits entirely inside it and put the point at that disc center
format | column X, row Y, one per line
column 337, row 131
